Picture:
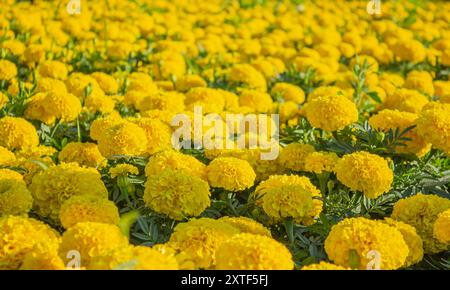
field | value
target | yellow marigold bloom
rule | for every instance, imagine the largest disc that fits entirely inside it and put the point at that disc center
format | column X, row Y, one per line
column 53, row 69
column 134, row 258
column 177, row 161
column 433, row 125
column 211, row 100
column 261, row 102
column 15, row 199
column 6, row 157
column 187, row 82
column 8, row 70
column 280, row 181
column 165, row 116
column 14, row 46
column 441, row 227
column 43, row 256
column 386, row 120
column 294, row 155
column 365, row 172
column 100, row 125
column 134, row 98
column 197, row 240
column 87, row 208
column 85, row 154
column 331, row 113
column 176, row 194
column 51, row 106
column 412, row 240
column 91, row 239
column 289, row 92
column 99, row 103
column 319, row 162
column 324, row 266
column 29, row 159
column 106, row 82
column 19, row 236
column 158, row 134
column 50, row 188
column 288, row 110
column 253, row 252
column 230, row 173
column 288, row 201
column 248, row 76
column 405, row 100
column 168, row 64
column 170, row 101
column 421, row 212
column 123, row 170
column 36, row 109
column 34, row 53
column 124, row 138
column 17, row 133
column 421, row 81
column 247, row 225
column 409, row 50
column 350, row 241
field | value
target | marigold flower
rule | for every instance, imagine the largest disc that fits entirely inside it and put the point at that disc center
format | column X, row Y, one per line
column 421, row 212
column 210, row 100
column 291, row 183
column 433, row 125
column 331, row 113
column 88, row 208
column 124, row 138
column 441, row 227
column 247, row 76
column 196, row 241
column 123, row 170
column 91, row 239
column 8, row 70
column 18, row 237
column 351, row 240
column 51, row 187
column 289, row 92
column 17, row 133
column 177, row 161
column 230, row 173
column 6, row 157
column 158, row 134
column 405, row 100
column 85, row 154
column 365, row 172
column 319, row 162
column 253, row 252
column 53, row 69
column 43, row 256
column 15, row 199
column 294, row 156
column 324, row 266
column 176, row 194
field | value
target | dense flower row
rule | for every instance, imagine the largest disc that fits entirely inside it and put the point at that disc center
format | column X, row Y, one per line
column 89, row 175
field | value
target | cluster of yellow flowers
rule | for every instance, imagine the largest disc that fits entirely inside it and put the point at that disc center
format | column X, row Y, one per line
column 87, row 102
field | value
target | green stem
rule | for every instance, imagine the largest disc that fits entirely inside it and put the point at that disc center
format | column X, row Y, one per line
column 55, row 128
column 289, row 226
column 323, row 179
column 230, row 203
column 78, row 130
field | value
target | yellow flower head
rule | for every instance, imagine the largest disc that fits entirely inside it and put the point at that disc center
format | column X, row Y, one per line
column 289, row 92
column 124, row 138
column 17, row 133
column 294, row 156
column 230, row 173
column 176, row 194
column 433, row 125
column 88, row 208
column 123, row 170
column 177, row 161
column 43, row 256
column 51, row 187
column 365, row 172
column 324, row 266
column 331, row 113
column 253, row 252
column 196, row 241
column 85, row 154
column 8, row 70
column 19, row 236
column 91, row 239
column 277, row 197
column 351, row 241
column 421, row 212
column 15, row 199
